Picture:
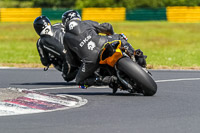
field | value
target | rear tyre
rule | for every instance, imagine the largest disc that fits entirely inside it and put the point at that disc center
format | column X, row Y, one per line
column 135, row 72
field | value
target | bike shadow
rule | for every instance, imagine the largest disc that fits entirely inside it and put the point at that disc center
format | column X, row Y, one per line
column 93, row 92
column 97, row 94
column 46, row 83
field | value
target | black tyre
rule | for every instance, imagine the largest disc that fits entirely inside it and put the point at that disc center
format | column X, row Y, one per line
column 142, row 78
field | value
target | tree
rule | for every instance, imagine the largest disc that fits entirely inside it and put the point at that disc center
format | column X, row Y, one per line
column 54, row 3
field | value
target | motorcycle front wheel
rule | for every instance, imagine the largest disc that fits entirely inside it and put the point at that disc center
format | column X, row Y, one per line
column 142, row 78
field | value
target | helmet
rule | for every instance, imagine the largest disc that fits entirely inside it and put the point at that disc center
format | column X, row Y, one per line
column 69, row 15
column 42, row 25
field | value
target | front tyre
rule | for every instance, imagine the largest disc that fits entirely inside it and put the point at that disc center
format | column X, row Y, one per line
column 135, row 72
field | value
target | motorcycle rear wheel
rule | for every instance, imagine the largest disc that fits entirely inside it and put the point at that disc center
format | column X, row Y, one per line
column 142, row 78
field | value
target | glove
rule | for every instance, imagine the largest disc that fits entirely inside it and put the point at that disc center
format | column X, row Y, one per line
column 140, row 58
column 114, row 84
column 138, row 52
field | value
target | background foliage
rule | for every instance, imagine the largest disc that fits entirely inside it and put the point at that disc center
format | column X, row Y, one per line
column 78, row 4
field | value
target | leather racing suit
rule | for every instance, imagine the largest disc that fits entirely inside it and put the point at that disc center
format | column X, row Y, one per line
column 52, row 51
column 83, row 39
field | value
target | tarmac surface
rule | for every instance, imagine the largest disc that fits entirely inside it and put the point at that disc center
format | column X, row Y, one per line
column 174, row 108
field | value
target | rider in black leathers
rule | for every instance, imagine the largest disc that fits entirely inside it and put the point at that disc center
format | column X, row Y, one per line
column 82, row 37
column 51, row 49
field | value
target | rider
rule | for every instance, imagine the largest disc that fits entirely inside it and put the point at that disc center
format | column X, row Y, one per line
column 82, row 37
column 51, row 49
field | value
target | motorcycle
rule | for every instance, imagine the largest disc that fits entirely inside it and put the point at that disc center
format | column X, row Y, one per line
column 114, row 60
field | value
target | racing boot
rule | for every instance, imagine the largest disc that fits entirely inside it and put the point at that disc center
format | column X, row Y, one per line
column 112, row 81
column 105, row 80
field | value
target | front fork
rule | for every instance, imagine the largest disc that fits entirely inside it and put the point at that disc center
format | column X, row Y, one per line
column 128, row 86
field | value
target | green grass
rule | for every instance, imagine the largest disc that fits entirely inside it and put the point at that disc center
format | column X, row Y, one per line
column 165, row 44
column 18, row 43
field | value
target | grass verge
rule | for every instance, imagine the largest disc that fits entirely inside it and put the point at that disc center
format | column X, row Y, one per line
column 167, row 45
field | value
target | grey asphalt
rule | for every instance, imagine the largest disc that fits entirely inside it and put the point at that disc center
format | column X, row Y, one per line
column 174, row 109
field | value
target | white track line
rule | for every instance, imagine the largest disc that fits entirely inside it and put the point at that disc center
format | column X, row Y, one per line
column 7, row 68
column 175, row 80
column 157, row 81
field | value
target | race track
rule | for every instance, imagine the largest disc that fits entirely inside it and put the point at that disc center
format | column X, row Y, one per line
column 174, row 109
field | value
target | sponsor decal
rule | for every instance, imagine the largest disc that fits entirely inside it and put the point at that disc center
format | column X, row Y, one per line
column 36, row 102
column 91, row 45
column 64, row 51
column 85, row 40
column 83, row 68
column 72, row 14
column 72, row 25
column 47, row 31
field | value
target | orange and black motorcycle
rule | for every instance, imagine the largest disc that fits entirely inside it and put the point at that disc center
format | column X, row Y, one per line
column 114, row 60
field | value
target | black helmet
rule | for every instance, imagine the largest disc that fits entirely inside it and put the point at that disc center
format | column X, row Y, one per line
column 41, row 23
column 69, row 15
